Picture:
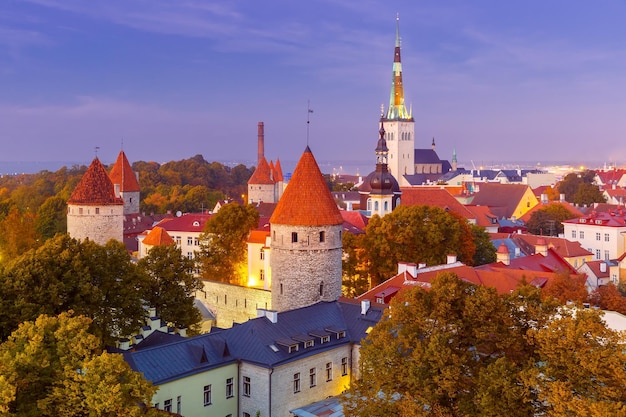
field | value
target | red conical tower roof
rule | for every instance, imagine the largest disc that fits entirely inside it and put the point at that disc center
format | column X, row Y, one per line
column 278, row 171
column 123, row 174
column 307, row 200
column 262, row 174
column 95, row 188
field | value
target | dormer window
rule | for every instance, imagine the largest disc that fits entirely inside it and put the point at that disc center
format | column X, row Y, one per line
column 196, row 223
column 325, row 339
column 308, row 344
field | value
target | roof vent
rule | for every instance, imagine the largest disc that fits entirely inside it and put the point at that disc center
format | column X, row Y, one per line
column 365, row 306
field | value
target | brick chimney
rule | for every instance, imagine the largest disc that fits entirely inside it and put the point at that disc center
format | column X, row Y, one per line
column 261, row 143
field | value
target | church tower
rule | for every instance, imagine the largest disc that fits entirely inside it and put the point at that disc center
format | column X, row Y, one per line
column 93, row 210
column 380, row 192
column 399, row 123
column 125, row 184
column 305, row 240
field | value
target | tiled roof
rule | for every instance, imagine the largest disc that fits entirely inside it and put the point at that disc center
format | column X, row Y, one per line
column 434, row 197
column 95, row 188
column 262, row 174
column 553, row 262
column 158, row 236
column 191, row 222
column 611, row 218
column 612, row 176
column 307, row 200
column 501, row 198
column 123, row 174
column 278, row 171
column 483, row 215
column 563, row 247
column 258, row 236
column 570, row 207
column 595, row 268
column 355, row 218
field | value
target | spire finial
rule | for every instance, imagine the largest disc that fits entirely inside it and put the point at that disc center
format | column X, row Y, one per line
column 96, row 150
column 308, row 122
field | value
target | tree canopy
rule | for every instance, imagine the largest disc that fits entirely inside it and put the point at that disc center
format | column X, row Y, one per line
column 223, row 247
column 53, row 366
column 579, row 188
column 548, row 220
column 459, row 349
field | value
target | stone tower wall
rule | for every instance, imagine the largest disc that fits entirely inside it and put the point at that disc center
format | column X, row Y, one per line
column 98, row 223
column 261, row 192
column 400, row 137
column 301, row 269
column 131, row 201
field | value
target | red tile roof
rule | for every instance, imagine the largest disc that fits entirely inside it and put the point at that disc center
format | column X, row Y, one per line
column 278, row 171
column 434, row 197
column 186, row 223
column 262, row 174
column 307, row 200
column 483, row 215
column 95, row 188
column 355, row 218
column 258, row 236
column 123, row 174
column 158, row 236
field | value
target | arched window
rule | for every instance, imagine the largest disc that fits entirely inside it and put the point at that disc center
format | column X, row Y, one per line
column 386, row 206
column 369, row 204
column 376, row 206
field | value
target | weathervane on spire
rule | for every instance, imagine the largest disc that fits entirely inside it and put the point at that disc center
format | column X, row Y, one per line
column 308, row 122
column 96, row 150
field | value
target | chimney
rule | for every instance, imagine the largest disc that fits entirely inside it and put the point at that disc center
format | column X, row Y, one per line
column 421, row 265
column 544, row 198
column 365, row 306
column 451, row 259
column 603, row 267
column 503, row 255
column 562, row 198
column 123, row 344
column 261, row 143
column 541, row 247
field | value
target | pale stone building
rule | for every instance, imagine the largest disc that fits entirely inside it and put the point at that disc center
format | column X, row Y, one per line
column 93, row 209
column 306, row 242
column 125, row 184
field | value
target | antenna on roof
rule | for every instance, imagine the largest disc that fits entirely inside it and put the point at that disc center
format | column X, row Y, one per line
column 308, row 122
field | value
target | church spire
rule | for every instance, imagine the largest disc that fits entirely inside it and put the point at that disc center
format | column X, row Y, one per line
column 397, row 109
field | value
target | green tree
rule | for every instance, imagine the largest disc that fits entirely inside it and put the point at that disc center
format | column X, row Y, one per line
column 171, row 286
column 52, row 217
column 485, row 251
column 223, row 245
column 462, row 350
column 587, row 194
column 548, row 220
column 355, row 279
column 419, row 234
column 17, row 234
column 54, row 367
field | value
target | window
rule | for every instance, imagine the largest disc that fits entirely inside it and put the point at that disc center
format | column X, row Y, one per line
column 296, row 382
column 344, row 366
column 324, row 339
column 189, row 255
column 80, row 210
column 607, row 238
column 281, row 288
column 581, row 234
column 262, row 275
column 329, row 371
column 246, row 414
column 294, row 237
column 597, row 236
column 177, row 239
column 322, row 237
column 196, row 242
column 229, row 388
column 597, row 253
column 308, row 343
column 167, row 405
column 573, row 234
column 207, row 395
column 97, row 210
column 321, row 289
column 606, row 255
column 261, row 254
column 312, row 377
column 246, row 386
column 376, row 206
column 189, row 240
column 178, row 405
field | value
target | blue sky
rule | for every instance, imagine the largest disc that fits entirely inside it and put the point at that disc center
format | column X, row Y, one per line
column 497, row 81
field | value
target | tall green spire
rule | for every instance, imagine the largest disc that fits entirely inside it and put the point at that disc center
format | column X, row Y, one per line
column 397, row 110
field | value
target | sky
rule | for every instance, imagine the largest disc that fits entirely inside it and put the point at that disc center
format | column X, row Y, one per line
column 163, row 80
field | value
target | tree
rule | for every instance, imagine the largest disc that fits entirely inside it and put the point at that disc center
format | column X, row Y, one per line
column 461, row 350
column 171, row 285
column 223, row 243
column 355, row 279
column 548, row 220
column 17, row 234
column 579, row 188
column 608, row 297
column 53, row 366
column 485, row 251
column 52, row 217
column 100, row 282
column 566, row 287
column 587, row 194
column 419, row 234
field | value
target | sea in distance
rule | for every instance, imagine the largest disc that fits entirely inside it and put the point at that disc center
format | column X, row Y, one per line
column 348, row 167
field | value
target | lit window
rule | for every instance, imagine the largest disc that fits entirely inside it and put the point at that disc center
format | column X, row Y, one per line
column 207, row 395
column 344, row 366
column 312, row 377
column 261, row 275
column 329, row 371
column 167, row 405
column 296, row 382
column 229, row 388
column 246, row 386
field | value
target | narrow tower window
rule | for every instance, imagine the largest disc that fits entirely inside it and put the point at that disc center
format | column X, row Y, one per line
column 321, row 289
column 294, row 237
column 322, row 237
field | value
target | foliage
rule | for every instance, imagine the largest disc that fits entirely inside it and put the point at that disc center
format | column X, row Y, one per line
column 354, row 269
column 460, row 350
column 485, row 251
column 223, row 243
column 171, row 285
column 566, row 287
column 587, row 194
column 418, row 234
column 18, row 234
column 608, row 297
column 548, row 220
column 64, row 274
column 53, row 366
column 52, row 217
column 579, row 188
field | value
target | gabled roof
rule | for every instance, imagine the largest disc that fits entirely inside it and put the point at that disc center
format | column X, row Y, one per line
column 553, row 262
column 262, row 174
column 612, row 176
column 355, row 218
column 483, row 215
column 123, row 174
column 306, row 200
column 595, row 268
column 501, row 198
column 258, row 236
column 563, row 247
column 610, row 218
column 95, row 187
column 188, row 222
column 434, row 197
column 158, row 236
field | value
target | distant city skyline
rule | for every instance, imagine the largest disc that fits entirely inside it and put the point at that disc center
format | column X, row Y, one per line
column 498, row 82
